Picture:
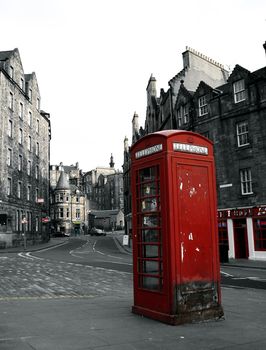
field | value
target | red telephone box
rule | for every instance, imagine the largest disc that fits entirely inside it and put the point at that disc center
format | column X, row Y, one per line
column 175, row 241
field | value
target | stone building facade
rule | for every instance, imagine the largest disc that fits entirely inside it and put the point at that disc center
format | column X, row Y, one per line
column 104, row 187
column 68, row 207
column 231, row 111
column 25, row 134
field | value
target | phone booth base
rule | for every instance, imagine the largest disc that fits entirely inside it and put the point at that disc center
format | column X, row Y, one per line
column 214, row 313
column 174, row 228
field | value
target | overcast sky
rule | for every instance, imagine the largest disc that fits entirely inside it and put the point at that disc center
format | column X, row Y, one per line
column 93, row 59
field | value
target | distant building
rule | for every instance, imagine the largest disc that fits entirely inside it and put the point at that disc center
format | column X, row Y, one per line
column 25, row 134
column 68, row 207
column 231, row 111
column 107, row 219
column 104, row 187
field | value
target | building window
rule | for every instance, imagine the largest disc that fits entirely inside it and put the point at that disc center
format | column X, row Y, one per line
column 30, row 119
column 20, row 136
column 77, row 213
column 20, row 162
column 10, row 128
column 183, row 116
column 246, row 181
column 61, row 197
column 239, row 91
column 37, row 125
column 37, row 172
column 28, row 192
column 37, row 224
column 29, row 167
column 260, row 233
column 9, row 157
column 9, row 189
column 11, row 72
column 38, row 104
column 203, row 107
column 37, row 148
column 30, row 95
column 67, row 212
column 21, row 110
column 22, row 83
column 29, row 143
column 242, row 134
column 61, row 212
column 36, row 195
column 19, row 189
column 11, row 101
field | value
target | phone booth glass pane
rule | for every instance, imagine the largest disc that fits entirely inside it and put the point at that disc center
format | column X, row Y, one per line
column 149, row 240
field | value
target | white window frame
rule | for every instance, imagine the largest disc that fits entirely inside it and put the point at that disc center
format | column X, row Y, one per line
column 246, row 181
column 29, row 167
column 29, row 143
column 28, row 192
column 239, row 91
column 36, row 194
column 11, row 101
column 10, row 128
column 9, row 186
column 22, row 84
column 20, row 136
column 9, row 157
column 37, row 149
column 20, row 162
column 242, row 134
column 37, row 172
column 183, row 115
column 11, row 71
column 30, row 118
column 30, row 95
column 38, row 104
column 203, row 106
column 21, row 110
column 19, row 189
column 37, row 126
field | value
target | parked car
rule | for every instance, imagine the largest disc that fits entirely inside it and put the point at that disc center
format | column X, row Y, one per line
column 97, row 232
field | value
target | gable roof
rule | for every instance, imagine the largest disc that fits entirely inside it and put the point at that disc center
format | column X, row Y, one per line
column 4, row 55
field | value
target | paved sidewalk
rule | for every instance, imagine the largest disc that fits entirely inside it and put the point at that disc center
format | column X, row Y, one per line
column 69, row 306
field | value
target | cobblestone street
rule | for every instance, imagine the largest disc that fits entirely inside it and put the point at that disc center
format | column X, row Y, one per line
column 24, row 276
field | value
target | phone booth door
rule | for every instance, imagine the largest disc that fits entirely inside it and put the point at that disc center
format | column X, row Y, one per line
column 149, row 257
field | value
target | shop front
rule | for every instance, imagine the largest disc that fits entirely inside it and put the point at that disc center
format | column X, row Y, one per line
column 244, row 231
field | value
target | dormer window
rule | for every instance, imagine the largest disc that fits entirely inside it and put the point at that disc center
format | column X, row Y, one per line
column 203, row 107
column 182, row 115
column 239, row 91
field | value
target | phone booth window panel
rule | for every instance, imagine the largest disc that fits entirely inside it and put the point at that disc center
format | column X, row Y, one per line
column 149, row 228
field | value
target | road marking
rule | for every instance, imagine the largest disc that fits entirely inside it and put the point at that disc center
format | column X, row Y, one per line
column 226, row 274
column 21, row 338
column 29, row 256
column 98, row 251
